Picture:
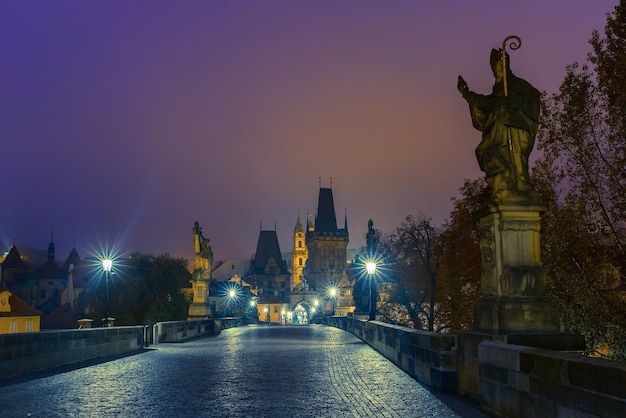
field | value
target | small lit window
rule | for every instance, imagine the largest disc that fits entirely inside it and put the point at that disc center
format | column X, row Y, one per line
column 29, row 326
column 12, row 327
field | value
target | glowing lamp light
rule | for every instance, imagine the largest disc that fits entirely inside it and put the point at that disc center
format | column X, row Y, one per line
column 107, row 264
column 371, row 268
column 232, row 293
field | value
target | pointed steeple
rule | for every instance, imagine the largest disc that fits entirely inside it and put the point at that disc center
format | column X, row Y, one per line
column 72, row 259
column 298, row 227
column 51, row 246
column 13, row 259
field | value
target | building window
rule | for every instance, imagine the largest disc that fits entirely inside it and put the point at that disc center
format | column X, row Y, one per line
column 300, row 262
column 29, row 326
column 275, row 309
column 12, row 327
column 299, row 244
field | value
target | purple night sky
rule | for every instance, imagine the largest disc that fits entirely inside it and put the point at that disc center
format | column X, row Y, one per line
column 124, row 122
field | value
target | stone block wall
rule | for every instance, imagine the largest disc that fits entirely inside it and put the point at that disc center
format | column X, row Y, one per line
column 519, row 381
column 175, row 331
column 428, row 356
column 21, row 354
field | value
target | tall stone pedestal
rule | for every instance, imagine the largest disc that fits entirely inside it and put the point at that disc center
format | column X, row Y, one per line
column 514, row 306
column 200, row 307
column 513, row 280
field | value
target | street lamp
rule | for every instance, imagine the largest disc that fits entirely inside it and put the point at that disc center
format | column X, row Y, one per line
column 232, row 294
column 371, row 271
column 333, row 296
column 107, row 264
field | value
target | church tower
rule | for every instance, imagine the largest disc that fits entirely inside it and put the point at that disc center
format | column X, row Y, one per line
column 327, row 261
column 299, row 256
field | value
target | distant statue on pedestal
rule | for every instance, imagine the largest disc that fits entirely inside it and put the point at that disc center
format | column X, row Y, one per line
column 371, row 238
column 508, row 119
column 201, row 278
column 203, row 251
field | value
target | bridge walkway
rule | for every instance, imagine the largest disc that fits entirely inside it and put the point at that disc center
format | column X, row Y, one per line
column 253, row 371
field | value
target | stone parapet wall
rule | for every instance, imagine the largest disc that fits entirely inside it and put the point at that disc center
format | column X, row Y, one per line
column 21, row 354
column 175, row 331
column 509, row 380
column 519, row 381
column 428, row 356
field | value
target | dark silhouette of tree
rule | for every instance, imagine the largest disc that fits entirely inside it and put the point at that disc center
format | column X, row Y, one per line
column 460, row 270
column 144, row 289
column 581, row 178
column 412, row 258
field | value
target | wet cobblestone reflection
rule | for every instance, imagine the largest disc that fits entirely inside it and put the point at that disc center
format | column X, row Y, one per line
column 255, row 371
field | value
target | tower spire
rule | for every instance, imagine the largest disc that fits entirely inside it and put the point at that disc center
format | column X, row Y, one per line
column 51, row 246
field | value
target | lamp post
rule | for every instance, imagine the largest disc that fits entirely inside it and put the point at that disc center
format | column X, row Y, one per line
column 371, row 271
column 253, row 308
column 333, row 297
column 107, row 264
column 232, row 293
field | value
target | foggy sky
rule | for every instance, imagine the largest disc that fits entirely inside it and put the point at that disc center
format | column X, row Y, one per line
column 124, row 122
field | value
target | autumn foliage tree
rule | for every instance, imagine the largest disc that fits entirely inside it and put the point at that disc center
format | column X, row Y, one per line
column 581, row 177
column 459, row 275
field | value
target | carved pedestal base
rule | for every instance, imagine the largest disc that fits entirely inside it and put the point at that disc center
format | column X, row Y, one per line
column 513, row 280
column 200, row 307
column 516, row 315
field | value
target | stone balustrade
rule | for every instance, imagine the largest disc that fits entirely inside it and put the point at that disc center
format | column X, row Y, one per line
column 508, row 379
column 30, row 352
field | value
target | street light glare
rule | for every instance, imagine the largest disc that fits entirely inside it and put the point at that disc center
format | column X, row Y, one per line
column 107, row 263
column 371, row 267
column 232, row 293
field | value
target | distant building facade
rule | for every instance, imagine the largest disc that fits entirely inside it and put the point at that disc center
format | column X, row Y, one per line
column 272, row 278
column 15, row 315
column 49, row 289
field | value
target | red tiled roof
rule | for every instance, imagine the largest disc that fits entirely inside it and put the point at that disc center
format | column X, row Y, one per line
column 18, row 307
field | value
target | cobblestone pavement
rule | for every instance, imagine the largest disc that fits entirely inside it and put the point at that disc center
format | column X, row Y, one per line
column 253, row 371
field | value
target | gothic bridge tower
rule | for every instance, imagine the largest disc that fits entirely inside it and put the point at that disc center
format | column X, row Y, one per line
column 327, row 245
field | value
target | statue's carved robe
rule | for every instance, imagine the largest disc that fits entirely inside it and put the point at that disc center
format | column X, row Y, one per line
column 502, row 119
